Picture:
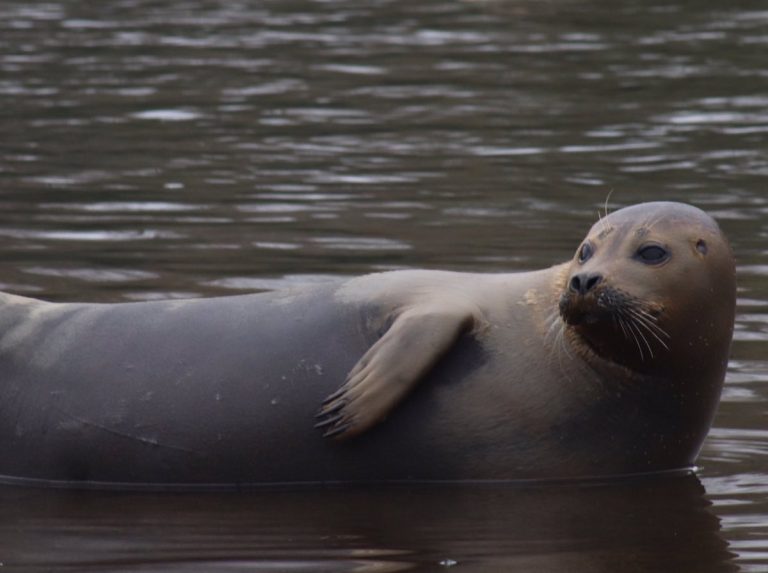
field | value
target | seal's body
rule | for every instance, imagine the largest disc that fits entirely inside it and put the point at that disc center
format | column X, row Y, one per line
column 541, row 375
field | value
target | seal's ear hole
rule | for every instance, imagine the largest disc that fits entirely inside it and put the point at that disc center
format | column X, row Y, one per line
column 701, row 246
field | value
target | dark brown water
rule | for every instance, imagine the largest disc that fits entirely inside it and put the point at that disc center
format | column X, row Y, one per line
column 153, row 149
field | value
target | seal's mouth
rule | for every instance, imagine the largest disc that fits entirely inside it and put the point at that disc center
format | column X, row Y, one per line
column 606, row 316
column 604, row 304
column 576, row 317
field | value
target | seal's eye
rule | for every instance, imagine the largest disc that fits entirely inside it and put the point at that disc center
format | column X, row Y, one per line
column 585, row 252
column 652, row 254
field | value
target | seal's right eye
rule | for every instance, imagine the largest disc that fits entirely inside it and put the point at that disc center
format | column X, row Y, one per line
column 652, row 254
column 585, row 252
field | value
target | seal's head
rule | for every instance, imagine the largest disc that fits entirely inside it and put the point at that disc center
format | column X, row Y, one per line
column 649, row 300
column 652, row 288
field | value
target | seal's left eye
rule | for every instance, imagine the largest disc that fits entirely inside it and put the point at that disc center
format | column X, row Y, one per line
column 585, row 252
column 652, row 254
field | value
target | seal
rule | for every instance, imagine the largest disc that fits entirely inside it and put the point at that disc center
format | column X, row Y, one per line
column 609, row 364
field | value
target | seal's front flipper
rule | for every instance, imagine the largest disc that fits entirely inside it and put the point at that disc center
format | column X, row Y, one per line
column 391, row 368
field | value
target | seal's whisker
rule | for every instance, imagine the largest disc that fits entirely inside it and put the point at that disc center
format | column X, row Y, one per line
column 664, row 344
column 554, row 320
column 555, row 337
column 653, row 321
column 554, row 351
column 651, row 222
column 600, row 220
column 631, row 326
column 635, row 330
column 652, row 333
column 644, row 339
column 640, row 314
column 607, row 198
column 551, row 342
column 620, row 321
column 651, row 327
column 564, row 350
column 564, row 345
column 650, row 321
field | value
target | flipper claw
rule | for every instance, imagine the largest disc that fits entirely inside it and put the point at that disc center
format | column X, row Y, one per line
column 330, row 421
column 337, row 394
column 331, row 407
column 336, row 431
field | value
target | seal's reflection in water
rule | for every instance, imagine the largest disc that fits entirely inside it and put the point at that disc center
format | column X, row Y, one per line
column 659, row 524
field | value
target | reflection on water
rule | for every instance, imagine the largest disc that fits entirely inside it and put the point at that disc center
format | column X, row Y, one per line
column 155, row 149
column 616, row 527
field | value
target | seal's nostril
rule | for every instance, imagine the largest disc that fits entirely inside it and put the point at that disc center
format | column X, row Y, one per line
column 584, row 282
column 576, row 283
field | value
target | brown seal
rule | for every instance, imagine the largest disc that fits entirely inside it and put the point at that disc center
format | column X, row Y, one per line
column 636, row 328
column 609, row 364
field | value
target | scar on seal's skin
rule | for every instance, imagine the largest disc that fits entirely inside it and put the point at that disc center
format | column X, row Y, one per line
column 607, row 230
column 531, row 296
column 112, row 431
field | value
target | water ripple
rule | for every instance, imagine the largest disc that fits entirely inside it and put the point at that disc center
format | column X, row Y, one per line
column 94, row 236
column 361, row 244
column 167, row 115
column 125, row 206
column 93, row 275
